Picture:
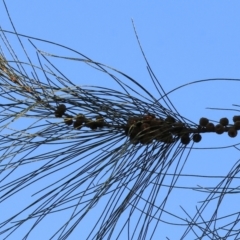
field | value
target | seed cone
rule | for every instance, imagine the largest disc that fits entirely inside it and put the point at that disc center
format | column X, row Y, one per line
column 232, row 132
column 61, row 109
column 219, row 129
column 185, row 139
column 177, row 128
column 77, row 125
column 224, row 121
column 237, row 125
column 203, row 121
column 236, row 118
column 100, row 121
column 210, row 127
column 170, row 119
column 80, row 119
column 91, row 124
column 68, row 120
column 165, row 137
column 197, row 137
column 145, row 137
column 134, row 131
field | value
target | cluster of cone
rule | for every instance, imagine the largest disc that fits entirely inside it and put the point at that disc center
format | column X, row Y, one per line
column 80, row 120
column 222, row 126
column 147, row 128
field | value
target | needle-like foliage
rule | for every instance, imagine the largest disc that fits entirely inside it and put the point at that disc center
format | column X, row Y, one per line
column 106, row 161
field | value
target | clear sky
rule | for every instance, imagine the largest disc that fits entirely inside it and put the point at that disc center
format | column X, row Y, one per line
column 184, row 41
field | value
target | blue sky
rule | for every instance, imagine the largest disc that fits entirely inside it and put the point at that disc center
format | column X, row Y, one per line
column 184, row 41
